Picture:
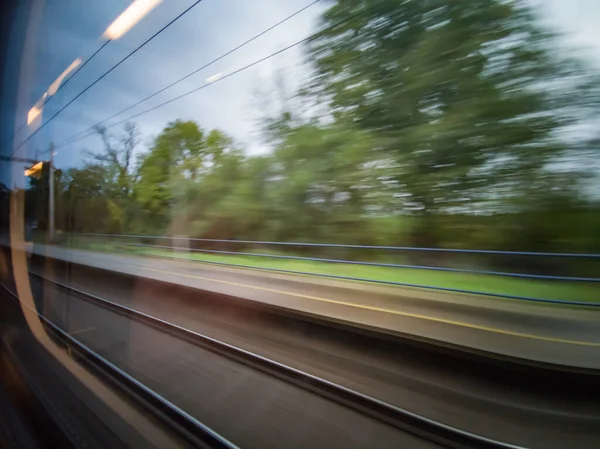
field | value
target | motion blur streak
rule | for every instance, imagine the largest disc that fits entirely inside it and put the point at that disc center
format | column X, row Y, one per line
column 129, row 18
column 400, row 198
column 35, row 168
column 56, row 84
column 36, row 111
column 394, row 312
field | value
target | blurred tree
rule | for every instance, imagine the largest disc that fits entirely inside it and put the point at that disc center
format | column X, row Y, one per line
column 322, row 180
column 172, row 171
column 433, row 123
column 466, row 98
column 117, row 161
column 176, row 155
column 84, row 200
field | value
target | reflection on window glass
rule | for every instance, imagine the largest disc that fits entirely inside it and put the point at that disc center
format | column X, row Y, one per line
column 326, row 223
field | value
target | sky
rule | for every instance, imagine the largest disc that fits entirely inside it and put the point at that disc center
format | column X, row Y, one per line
column 207, row 31
column 72, row 28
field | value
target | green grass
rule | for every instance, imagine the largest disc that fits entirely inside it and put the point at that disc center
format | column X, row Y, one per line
column 557, row 290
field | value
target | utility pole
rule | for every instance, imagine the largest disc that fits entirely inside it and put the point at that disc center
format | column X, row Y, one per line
column 36, row 171
column 51, row 194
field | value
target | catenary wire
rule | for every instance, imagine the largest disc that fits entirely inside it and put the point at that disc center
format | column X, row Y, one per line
column 62, row 85
column 75, row 137
column 107, row 72
column 230, row 74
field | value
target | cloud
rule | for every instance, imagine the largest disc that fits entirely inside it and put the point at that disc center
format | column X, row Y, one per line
column 206, row 32
column 210, row 29
column 577, row 21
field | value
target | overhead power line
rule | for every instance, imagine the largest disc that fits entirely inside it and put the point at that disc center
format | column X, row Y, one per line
column 75, row 137
column 107, row 72
column 11, row 138
column 230, row 74
column 78, row 70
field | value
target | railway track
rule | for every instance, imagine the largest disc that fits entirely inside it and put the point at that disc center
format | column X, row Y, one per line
column 174, row 417
column 396, row 417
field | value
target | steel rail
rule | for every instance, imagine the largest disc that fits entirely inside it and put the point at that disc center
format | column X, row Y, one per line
column 378, row 281
column 378, row 264
column 338, row 245
column 195, row 432
column 395, row 416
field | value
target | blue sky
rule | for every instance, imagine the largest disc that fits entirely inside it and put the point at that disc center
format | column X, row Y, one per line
column 72, row 28
column 210, row 29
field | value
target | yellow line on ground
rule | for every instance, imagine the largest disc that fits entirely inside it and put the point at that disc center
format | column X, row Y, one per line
column 378, row 309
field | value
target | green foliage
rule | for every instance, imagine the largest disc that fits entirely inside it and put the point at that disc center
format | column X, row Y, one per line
column 483, row 283
column 83, row 206
column 467, row 98
column 440, row 123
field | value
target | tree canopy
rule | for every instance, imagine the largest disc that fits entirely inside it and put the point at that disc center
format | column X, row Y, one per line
column 439, row 123
column 466, row 99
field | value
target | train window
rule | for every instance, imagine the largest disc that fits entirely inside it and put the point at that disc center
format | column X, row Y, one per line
column 311, row 223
